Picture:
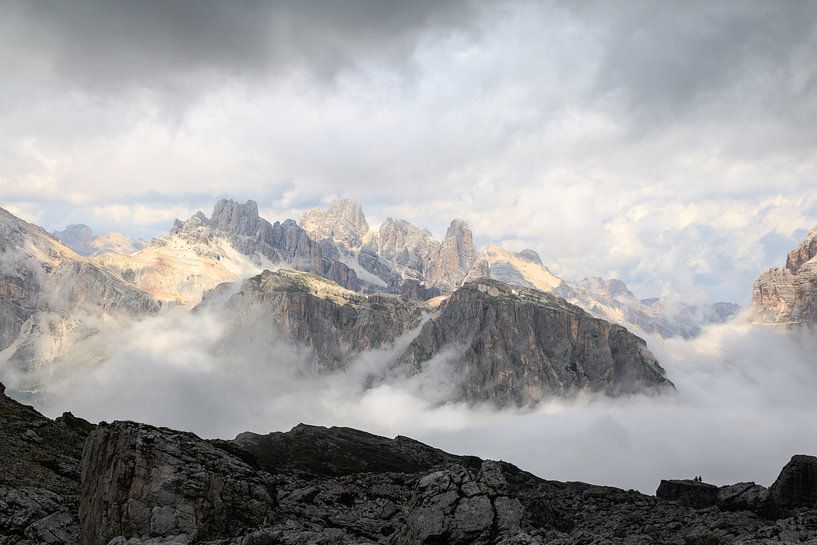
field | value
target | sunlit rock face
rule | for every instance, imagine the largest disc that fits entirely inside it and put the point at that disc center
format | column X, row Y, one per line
column 232, row 244
column 343, row 223
column 52, row 297
column 408, row 249
column 789, row 295
column 454, row 258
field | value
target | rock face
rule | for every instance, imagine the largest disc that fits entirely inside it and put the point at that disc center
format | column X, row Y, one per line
column 797, row 484
column 138, row 484
column 408, row 248
column 454, row 258
column 516, row 346
column 335, row 452
column 343, row 223
column 789, row 295
column 40, row 477
column 688, row 493
column 78, row 237
column 458, row 507
column 48, row 291
column 141, row 481
column 497, row 343
column 334, row 323
column 279, row 242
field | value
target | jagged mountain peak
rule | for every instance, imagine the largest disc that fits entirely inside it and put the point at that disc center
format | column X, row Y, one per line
column 343, row 222
column 803, row 253
column 233, row 217
column 530, row 255
column 789, row 295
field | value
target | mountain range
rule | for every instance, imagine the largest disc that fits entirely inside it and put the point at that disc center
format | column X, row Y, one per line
column 334, row 289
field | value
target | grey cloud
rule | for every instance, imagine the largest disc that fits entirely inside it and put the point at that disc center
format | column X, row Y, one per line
column 667, row 58
column 156, row 44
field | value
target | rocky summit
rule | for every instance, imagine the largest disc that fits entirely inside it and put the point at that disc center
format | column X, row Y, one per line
column 69, row 482
column 511, row 345
column 789, row 295
column 494, row 343
column 337, row 242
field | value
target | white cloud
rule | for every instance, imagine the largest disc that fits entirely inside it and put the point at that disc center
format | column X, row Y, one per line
column 551, row 125
column 745, row 395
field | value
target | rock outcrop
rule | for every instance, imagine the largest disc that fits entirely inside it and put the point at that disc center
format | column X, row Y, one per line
column 39, row 475
column 454, row 258
column 343, row 222
column 789, row 295
column 337, row 451
column 458, row 507
column 499, row 344
column 141, row 481
column 689, row 493
column 336, row 324
column 135, row 484
column 407, row 249
column 797, row 484
column 516, row 346
column 279, row 242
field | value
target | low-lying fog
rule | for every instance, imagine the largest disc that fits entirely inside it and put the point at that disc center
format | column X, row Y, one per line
column 746, row 401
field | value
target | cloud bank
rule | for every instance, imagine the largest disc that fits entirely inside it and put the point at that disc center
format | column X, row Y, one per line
column 668, row 144
column 744, row 403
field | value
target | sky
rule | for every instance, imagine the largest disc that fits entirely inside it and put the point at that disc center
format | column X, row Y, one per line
column 669, row 144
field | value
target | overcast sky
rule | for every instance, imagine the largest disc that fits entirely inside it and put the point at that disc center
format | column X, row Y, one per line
column 672, row 145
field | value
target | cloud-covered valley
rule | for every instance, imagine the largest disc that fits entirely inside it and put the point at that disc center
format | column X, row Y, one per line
column 744, row 400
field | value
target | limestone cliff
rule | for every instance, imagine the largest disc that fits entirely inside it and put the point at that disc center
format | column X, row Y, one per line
column 789, row 295
column 334, row 323
column 343, row 223
column 517, row 346
column 505, row 345
column 454, row 258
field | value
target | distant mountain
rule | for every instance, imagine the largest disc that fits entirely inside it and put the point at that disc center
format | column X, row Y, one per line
column 233, row 243
column 80, row 238
column 395, row 257
column 789, row 295
column 607, row 299
column 53, row 297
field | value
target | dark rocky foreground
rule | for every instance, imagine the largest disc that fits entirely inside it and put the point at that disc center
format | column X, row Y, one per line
column 71, row 482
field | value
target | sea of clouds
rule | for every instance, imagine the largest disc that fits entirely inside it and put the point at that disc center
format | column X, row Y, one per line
column 744, row 402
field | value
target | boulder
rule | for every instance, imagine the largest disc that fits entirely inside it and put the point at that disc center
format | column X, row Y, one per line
column 454, row 506
column 688, row 493
column 797, row 484
column 746, row 497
